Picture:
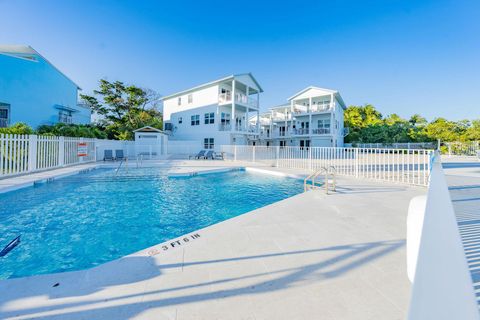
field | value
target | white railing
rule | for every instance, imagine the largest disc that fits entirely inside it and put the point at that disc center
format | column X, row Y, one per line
column 224, row 97
column 29, row 153
column 301, row 131
column 239, row 97
column 442, row 285
column 458, row 148
column 394, row 165
column 321, row 131
column 396, row 145
column 301, row 109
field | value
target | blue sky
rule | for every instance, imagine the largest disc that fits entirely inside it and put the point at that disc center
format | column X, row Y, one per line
column 404, row 57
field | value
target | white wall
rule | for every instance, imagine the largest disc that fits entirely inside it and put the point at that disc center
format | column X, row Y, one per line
column 202, row 97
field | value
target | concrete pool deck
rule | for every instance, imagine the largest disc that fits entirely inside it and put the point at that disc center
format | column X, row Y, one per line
column 312, row 256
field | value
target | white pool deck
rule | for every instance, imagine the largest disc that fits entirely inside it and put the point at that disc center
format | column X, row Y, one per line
column 312, row 256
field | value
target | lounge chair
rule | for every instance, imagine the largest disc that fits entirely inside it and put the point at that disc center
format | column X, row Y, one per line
column 219, row 156
column 199, row 155
column 108, row 155
column 209, row 154
column 119, row 155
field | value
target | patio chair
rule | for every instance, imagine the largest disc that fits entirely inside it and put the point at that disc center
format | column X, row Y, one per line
column 199, row 155
column 219, row 156
column 209, row 154
column 119, row 154
column 108, row 155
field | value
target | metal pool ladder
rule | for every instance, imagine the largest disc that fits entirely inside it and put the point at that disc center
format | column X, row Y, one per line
column 120, row 165
column 330, row 179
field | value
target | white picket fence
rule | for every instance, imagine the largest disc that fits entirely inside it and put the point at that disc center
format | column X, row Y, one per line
column 408, row 166
column 29, row 153
column 462, row 148
column 396, row 145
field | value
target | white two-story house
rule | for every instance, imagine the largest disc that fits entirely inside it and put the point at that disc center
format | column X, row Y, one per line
column 312, row 117
column 215, row 113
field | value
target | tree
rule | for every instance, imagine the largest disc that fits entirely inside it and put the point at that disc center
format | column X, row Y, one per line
column 417, row 120
column 124, row 108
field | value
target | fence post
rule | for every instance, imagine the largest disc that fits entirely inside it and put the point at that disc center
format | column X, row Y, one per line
column 253, row 154
column 309, row 158
column 356, row 162
column 80, row 158
column 277, row 155
column 32, row 153
column 95, row 150
column 61, row 151
column 235, row 152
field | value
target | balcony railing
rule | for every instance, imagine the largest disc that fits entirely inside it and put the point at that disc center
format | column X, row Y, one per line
column 321, row 131
column 299, row 109
column 225, row 127
column 237, row 127
column 239, row 97
column 3, row 123
column 301, row 131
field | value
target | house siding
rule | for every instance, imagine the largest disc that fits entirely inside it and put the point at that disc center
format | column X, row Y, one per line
column 33, row 89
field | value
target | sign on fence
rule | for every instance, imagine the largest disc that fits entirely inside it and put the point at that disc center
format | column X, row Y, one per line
column 82, row 149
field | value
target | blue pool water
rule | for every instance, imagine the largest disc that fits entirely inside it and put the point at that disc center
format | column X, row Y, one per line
column 91, row 218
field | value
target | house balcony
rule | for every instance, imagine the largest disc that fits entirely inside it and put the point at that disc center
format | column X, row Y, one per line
column 238, row 128
column 316, row 108
column 301, row 131
column 320, row 131
column 265, row 135
column 240, row 98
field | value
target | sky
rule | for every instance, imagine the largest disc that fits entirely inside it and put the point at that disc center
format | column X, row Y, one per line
column 402, row 56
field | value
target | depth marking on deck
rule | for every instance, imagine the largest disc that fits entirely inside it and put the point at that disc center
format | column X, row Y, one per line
column 174, row 244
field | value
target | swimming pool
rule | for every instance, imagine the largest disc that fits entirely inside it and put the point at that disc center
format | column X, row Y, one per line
column 87, row 219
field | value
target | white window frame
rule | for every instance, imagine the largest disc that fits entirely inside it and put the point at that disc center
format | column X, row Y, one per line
column 4, row 122
column 195, row 120
column 209, row 143
column 190, row 98
column 209, row 118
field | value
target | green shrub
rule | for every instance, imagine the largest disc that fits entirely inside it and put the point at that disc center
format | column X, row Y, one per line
column 17, row 128
column 72, row 130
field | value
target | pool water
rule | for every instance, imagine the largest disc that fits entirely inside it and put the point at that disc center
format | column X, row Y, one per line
column 87, row 219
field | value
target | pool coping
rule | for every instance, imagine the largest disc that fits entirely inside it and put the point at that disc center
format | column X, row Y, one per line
column 25, row 181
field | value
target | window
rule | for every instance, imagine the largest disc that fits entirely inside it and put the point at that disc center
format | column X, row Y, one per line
column 225, row 118
column 304, row 144
column 64, row 116
column 282, row 143
column 324, row 123
column 179, row 101
column 209, row 118
column 168, row 126
column 190, row 98
column 180, row 120
column 208, row 143
column 195, row 120
column 3, row 117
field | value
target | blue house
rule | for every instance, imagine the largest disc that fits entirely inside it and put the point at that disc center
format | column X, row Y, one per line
column 34, row 91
